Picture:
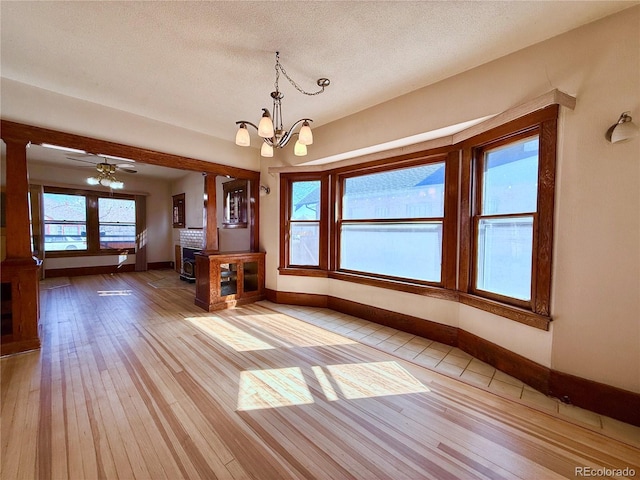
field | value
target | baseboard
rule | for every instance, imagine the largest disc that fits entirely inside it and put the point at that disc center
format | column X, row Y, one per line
column 613, row 402
column 159, row 265
column 78, row 271
column 293, row 298
column 407, row 323
column 19, row 347
column 597, row 397
column 530, row 372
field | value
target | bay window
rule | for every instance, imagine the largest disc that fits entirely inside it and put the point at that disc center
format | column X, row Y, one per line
column 471, row 222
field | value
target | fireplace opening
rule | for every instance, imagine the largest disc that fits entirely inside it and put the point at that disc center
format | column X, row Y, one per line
column 188, row 264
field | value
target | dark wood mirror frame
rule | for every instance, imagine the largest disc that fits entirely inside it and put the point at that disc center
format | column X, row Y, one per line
column 178, row 210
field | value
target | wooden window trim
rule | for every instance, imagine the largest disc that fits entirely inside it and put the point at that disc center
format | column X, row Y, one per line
column 448, row 228
column 93, row 240
column 286, row 182
column 544, row 124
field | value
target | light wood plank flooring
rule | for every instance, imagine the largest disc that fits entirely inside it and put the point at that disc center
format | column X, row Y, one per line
column 134, row 381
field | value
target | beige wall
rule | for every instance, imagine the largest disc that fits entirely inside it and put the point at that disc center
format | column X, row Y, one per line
column 596, row 290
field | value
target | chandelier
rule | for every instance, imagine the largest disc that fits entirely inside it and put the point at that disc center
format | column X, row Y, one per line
column 106, row 177
column 270, row 127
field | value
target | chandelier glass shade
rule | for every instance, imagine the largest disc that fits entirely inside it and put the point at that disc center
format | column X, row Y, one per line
column 271, row 129
column 106, row 177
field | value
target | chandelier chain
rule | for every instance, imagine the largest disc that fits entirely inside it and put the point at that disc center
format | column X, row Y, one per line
column 279, row 68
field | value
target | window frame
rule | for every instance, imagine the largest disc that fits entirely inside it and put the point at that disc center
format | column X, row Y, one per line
column 479, row 155
column 338, row 221
column 92, row 223
column 286, row 203
column 536, row 311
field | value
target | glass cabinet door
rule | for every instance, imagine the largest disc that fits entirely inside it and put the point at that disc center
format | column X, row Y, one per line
column 228, row 279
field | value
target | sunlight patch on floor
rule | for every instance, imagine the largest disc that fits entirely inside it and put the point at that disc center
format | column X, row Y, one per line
column 365, row 380
column 273, row 388
column 284, row 387
column 288, row 331
column 228, row 334
column 114, row 293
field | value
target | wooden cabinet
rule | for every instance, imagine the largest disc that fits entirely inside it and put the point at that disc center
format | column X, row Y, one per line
column 224, row 280
column 20, row 306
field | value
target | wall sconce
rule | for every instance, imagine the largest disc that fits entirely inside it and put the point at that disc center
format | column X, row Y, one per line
column 264, row 190
column 624, row 129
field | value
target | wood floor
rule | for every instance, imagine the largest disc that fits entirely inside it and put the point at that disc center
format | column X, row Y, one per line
column 134, row 381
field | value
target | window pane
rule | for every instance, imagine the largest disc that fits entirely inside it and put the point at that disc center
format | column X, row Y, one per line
column 65, row 218
column 117, row 218
column 305, row 200
column 505, row 256
column 511, row 178
column 304, row 244
column 416, row 192
column 400, row 250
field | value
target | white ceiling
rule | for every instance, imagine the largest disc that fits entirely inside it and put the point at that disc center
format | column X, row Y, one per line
column 204, row 65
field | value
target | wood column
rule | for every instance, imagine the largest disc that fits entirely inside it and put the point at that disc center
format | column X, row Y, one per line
column 210, row 214
column 17, row 198
column 141, row 233
column 20, row 271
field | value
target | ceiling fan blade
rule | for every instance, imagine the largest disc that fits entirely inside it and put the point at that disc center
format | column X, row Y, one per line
column 126, row 168
column 81, row 160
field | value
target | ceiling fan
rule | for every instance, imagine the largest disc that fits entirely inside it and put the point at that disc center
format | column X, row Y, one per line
column 106, row 171
column 102, row 162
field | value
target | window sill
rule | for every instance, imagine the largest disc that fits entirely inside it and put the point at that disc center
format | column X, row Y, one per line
column 303, row 272
column 415, row 288
column 516, row 314
column 88, row 253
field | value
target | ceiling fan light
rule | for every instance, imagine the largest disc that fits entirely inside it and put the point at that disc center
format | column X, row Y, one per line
column 305, row 137
column 242, row 136
column 265, row 127
column 105, row 182
column 93, row 181
column 117, row 185
column 299, row 149
column 266, row 150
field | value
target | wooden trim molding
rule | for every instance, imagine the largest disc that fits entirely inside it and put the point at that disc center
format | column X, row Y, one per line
column 600, row 398
column 401, row 286
column 98, row 270
column 159, row 265
column 597, row 397
column 519, row 315
column 38, row 135
column 407, row 323
column 517, row 366
column 294, row 298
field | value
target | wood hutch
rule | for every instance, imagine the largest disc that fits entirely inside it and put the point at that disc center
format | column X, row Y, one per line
column 224, row 280
column 19, row 272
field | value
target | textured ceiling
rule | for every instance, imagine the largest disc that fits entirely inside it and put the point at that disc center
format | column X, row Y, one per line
column 204, row 65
